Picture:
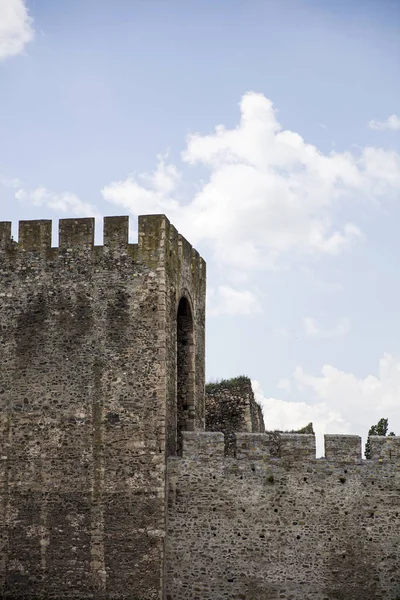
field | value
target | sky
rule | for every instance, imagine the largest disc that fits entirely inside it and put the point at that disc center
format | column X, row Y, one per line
column 269, row 134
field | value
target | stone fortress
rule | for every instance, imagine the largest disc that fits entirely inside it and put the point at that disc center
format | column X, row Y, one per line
column 110, row 486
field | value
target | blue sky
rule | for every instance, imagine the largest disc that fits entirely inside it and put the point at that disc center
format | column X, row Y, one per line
column 111, row 108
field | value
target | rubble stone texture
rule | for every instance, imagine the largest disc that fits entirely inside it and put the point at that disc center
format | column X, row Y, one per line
column 88, row 387
column 230, row 406
column 111, row 489
column 276, row 523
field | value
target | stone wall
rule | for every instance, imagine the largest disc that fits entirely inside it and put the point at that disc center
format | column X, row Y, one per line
column 276, row 523
column 101, row 368
column 183, row 276
column 87, row 383
column 231, row 407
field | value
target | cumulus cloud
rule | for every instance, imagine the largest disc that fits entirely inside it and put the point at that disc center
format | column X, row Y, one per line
column 392, row 122
column 268, row 196
column 226, row 300
column 148, row 193
column 338, row 402
column 63, row 202
column 312, row 328
column 16, row 28
column 285, row 415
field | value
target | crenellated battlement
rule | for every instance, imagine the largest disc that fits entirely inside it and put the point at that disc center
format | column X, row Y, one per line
column 291, row 447
column 342, row 447
column 385, row 448
column 274, row 521
column 74, row 235
column 158, row 240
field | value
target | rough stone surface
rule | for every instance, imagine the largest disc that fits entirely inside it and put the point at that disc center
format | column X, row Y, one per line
column 231, row 407
column 88, row 403
column 109, row 488
column 274, row 523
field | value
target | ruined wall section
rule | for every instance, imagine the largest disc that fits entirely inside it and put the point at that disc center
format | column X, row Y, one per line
column 276, row 523
column 230, row 407
column 82, row 389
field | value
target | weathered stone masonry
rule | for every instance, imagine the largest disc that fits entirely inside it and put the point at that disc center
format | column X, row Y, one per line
column 88, row 403
column 109, row 487
column 231, row 407
column 275, row 523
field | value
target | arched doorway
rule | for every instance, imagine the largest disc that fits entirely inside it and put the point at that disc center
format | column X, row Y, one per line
column 184, row 371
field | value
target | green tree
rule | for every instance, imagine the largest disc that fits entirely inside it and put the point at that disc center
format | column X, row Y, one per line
column 379, row 429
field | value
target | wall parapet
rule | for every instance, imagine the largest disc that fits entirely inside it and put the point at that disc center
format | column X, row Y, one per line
column 385, row 448
column 291, row 447
column 78, row 236
column 35, row 236
column 261, row 526
column 253, row 446
column 342, row 447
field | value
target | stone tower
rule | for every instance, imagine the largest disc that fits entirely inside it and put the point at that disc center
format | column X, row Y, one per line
column 110, row 487
column 102, row 367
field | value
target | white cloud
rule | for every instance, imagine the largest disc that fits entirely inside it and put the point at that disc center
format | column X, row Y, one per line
column 10, row 183
column 228, row 301
column 339, row 402
column 64, row 202
column 382, row 169
column 284, row 384
column 269, row 195
column 16, row 27
column 312, row 328
column 285, row 415
column 392, row 122
column 151, row 195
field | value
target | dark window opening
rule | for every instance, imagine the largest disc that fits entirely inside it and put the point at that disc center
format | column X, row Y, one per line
column 185, row 372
